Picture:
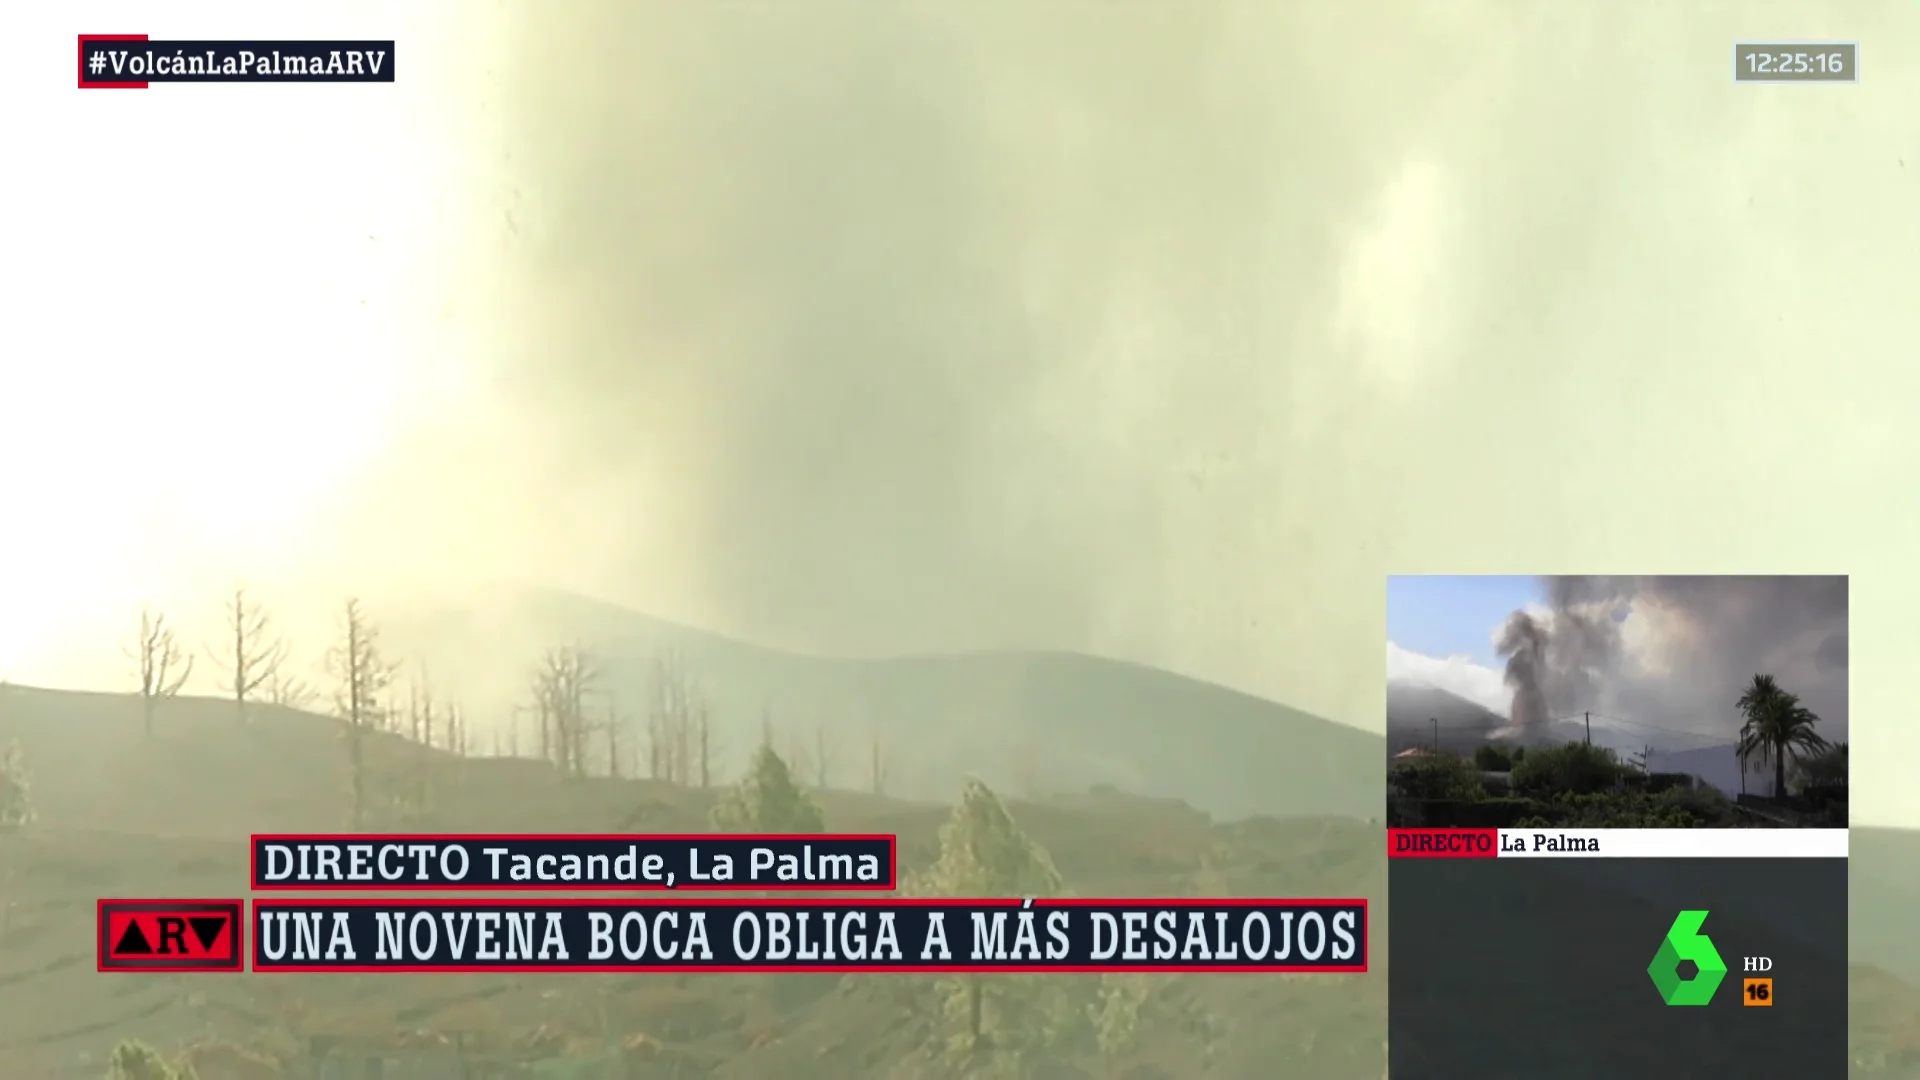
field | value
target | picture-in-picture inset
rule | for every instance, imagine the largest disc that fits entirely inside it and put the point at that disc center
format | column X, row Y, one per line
column 1617, row 826
column 1617, row 702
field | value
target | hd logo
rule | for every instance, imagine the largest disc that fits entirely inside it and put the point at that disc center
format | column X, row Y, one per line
column 1685, row 942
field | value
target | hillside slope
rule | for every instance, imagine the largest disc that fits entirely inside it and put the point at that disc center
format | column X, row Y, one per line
column 58, row 1018
column 1412, row 709
column 1030, row 721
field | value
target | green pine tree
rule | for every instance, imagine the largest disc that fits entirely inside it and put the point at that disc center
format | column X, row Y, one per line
column 135, row 1060
column 766, row 800
column 984, row 854
column 997, row 1024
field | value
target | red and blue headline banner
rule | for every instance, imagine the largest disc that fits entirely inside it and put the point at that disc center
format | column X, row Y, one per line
column 923, row 935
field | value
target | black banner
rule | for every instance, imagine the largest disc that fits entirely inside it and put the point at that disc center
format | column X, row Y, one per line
column 1519, row 969
column 811, row 935
column 510, row 861
column 132, row 61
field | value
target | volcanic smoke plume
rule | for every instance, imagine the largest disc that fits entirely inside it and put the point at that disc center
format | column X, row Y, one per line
column 1523, row 641
column 1698, row 640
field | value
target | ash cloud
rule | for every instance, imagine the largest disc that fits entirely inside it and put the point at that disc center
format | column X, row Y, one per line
column 1674, row 652
column 1149, row 330
column 1524, row 641
column 881, row 328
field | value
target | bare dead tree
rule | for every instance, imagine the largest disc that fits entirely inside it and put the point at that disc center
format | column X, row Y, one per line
column 513, row 734
column 160, row 664
column 291, row 692
column 423, row 727
column 656, row 746
column 680, row 737
column 705, row 740
column 549, row 723
column 363, row 676
column 430, row 720
column 876, row 764
column 392, row 706
column 683, row 735
column 456, row 718
column 612, row 725
column 252, row 653
column 542, row 728
column 824, row 746
column 664, row 718
column 564, row 680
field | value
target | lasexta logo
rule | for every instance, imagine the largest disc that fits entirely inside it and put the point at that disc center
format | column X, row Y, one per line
column 169, row 935
column 1685, row 942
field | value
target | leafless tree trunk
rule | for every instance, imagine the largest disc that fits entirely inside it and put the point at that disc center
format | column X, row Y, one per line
column 823, row 750
column 708, row 743
column 564, row 680
column 425, row 722
column 363, row 676
column 161, row 665
column 542, row 726
column 253, row 652
column 668, row 716
column 430, row 734
column 290, row 692
column 680, row 735
column 613, row 722
column 876, row 765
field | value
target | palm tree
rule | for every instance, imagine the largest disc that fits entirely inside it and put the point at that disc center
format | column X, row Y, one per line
column 1777, row 727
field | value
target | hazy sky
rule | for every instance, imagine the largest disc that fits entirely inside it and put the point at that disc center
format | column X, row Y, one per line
column 1159, row 330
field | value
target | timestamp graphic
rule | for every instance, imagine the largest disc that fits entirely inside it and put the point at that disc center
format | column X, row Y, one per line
column 1796, row 62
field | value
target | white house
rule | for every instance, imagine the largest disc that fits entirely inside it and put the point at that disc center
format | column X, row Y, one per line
column 1718, row 766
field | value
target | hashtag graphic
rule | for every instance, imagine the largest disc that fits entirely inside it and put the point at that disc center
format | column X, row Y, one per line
column 97, row 63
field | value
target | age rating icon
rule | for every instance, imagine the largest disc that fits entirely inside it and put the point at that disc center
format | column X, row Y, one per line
column 1685, row 942
column 170, row 935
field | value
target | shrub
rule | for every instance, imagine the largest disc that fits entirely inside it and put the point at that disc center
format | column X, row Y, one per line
column 767, row 800
column 1701, row 806
column 1572, row 769
column 1439, row 777
column 1826, row 770
column 1493, row 757
column 135, row 1060
column 1679, row 808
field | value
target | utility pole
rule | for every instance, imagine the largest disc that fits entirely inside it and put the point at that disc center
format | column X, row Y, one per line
column 1589, row 729
column 1435, row 721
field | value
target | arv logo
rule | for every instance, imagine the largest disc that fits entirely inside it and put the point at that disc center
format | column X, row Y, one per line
column 1684, row 941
